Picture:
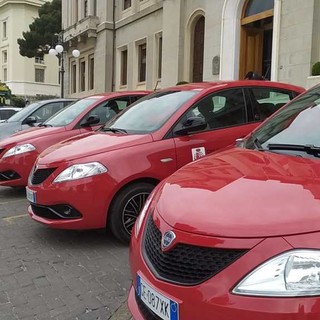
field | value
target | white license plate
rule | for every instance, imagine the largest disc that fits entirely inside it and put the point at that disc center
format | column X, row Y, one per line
column 162, row 306
column 31, row 195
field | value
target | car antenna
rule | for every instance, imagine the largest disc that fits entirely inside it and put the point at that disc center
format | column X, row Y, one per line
column 155, row 88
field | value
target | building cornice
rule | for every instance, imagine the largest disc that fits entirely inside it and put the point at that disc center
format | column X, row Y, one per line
column 35, row 3
column 139, row 15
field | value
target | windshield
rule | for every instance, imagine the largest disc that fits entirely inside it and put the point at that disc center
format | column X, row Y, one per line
column 296, row 124
column 23, row 113
column 151, row 112
column 70, row 113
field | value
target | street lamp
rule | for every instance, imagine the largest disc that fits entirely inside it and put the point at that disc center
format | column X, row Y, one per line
column 59, row 52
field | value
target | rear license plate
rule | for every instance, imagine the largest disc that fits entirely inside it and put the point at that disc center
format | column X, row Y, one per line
column 31, row 195
column 162, row 306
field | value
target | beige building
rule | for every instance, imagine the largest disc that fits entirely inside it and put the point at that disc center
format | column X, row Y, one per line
column 147, row 44
column 26, row 77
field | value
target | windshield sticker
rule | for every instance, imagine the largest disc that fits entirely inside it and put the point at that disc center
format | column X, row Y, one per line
column 198, row 153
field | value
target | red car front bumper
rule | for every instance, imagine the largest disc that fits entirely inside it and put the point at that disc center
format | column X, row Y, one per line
column 15, row 170
column 213, row 298
column 87, row 201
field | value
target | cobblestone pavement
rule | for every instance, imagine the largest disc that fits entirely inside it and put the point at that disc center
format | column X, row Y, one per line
column 55, row 274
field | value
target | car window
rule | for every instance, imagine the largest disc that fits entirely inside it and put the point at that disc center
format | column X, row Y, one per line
column 151, row 112
column 105, row 111
column 286, row 127
column 21, row 115
column 46, row 111
column 5, row 114
column 220, row 109
column 122, row 103
column 135, row 98
column 266, row 101
column 70, row 113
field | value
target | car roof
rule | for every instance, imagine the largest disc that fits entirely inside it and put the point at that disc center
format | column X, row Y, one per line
column 54, row 100
column 10, row 108
column 116, row 94
column 232, row 83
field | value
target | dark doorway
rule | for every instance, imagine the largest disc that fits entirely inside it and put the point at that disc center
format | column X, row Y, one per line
column 198, row 49
column 256, row 38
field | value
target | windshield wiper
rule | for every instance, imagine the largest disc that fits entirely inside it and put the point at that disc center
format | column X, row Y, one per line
column 307, row 148
column 115, row 130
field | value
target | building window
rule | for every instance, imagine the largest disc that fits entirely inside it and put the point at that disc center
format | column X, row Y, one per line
column 73, row 78
column 82, row 76
column 4, row 29
column 254, row 7
column 85, row 8
column 159, row 57
column 142, row 62
column 4, row 56
column 39, row 60
column 126, row 4
column 39, row 75
column 91, row 72
column 124, row 67
column 5, row 74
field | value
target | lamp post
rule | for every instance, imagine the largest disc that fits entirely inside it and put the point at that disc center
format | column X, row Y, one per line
column 59, row 52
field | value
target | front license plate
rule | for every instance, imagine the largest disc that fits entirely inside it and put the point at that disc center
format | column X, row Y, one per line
column 31, row 195
column 162, row 306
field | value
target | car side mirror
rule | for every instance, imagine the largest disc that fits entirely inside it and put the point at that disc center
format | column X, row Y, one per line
column 192, row 124
column 31, row 121
column 91, row 121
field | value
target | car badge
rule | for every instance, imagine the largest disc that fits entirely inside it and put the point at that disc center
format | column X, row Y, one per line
column 167, row 240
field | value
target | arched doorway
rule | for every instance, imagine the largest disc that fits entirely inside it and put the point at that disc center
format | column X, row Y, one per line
column 256, row 37
column 198, row 50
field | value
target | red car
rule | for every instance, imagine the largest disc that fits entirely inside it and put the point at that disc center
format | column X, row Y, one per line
column 236, row 234
column 19, row 151
column 103, row 178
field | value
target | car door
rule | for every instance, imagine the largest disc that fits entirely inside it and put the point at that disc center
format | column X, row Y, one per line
column 226, row 114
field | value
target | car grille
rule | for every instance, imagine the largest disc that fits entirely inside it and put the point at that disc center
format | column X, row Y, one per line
column 56, row 212
column 184, row 264
column 146, row 312
column 40, row 175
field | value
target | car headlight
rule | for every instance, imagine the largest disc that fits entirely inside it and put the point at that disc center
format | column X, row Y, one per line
column 19, row 149
column 294, row 273
column 79, row 171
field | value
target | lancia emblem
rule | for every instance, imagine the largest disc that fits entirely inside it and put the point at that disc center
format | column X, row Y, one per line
column 167, row 240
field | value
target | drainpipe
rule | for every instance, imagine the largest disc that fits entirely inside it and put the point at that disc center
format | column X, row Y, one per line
column 113, row 45
column 276, row 41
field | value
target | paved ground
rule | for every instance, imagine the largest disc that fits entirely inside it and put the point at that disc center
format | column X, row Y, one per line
column 54, row 274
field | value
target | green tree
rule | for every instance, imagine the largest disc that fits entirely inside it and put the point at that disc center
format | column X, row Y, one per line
column 43, row 31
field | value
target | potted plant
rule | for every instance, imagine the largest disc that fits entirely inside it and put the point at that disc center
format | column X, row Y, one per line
column 315, row 75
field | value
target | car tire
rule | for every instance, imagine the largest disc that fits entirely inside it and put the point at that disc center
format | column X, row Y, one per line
column 125, row 208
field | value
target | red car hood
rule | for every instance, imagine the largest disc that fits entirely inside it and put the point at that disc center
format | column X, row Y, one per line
column 243, row 193
column 27, row 135
column 85, row 145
